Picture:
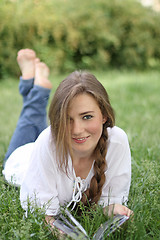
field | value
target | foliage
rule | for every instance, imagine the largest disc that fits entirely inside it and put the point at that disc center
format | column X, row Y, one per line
column 135, row 98
column 79, row 34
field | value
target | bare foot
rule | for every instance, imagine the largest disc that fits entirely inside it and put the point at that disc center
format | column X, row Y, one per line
column 41, row 75
column 26, row 59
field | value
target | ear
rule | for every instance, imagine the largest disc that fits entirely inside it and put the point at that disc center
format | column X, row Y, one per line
column 104, row 120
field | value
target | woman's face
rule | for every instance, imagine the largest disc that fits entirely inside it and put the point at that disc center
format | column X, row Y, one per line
column 86, row 125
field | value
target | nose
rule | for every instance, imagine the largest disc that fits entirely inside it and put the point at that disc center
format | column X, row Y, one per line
column 76, row 128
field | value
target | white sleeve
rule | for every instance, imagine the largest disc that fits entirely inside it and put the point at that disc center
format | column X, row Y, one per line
column 39, row 184
column 118, row 174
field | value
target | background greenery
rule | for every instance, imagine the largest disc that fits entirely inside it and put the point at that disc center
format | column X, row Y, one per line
column 88, row 34
column 135, row 98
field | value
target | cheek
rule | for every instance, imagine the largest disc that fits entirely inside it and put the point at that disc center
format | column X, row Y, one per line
column 96, row 128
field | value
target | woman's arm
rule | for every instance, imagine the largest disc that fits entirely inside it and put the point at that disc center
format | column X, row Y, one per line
column 118, row 175
column 40, row 182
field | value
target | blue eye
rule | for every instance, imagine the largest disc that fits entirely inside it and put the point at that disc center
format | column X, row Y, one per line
column 87, row 117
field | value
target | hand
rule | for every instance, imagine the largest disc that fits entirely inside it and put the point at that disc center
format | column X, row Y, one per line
column 50, row 220
column 119, row 209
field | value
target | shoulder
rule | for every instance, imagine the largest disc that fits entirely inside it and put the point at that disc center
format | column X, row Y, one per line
column 45, row 134
column 45, row 142
column 117, row 135
column 118, row 148
column 45, row 138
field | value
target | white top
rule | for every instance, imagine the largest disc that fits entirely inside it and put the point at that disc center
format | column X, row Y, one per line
column 34, row 167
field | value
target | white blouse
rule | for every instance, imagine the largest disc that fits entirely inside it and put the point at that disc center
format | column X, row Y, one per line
column 34, row 167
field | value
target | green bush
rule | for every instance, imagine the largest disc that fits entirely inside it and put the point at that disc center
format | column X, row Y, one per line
column 79, row 34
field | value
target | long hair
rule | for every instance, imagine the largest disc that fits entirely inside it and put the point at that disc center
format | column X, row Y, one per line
column 76, row 83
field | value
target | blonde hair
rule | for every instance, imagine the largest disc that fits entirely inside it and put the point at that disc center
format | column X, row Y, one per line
column 76, row 83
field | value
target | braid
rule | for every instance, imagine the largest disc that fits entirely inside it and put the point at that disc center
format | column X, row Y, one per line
column 92, row 195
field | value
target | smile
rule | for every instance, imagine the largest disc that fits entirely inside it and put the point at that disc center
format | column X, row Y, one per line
column 80, row 140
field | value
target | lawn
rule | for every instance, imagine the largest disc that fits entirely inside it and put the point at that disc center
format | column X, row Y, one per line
column 135, row 97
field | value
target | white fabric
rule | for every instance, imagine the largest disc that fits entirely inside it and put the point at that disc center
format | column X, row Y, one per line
column 17, row 164
column 78, row 188
column 46, row 185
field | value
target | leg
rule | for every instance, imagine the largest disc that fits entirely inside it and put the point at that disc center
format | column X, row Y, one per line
column 32, row 119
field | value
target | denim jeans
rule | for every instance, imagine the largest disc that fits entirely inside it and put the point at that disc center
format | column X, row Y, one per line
column 33, row 117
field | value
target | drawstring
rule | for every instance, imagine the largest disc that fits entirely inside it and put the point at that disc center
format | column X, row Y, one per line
column 79, row 187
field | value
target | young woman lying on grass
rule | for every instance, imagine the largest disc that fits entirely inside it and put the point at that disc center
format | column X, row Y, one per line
column 81, row 156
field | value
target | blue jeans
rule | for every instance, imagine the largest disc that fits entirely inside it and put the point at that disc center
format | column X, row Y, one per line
column 33, row 117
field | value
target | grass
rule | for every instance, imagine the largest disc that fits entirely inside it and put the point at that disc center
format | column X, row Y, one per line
column 136, row 100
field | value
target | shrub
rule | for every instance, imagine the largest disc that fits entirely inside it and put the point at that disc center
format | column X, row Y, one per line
column 70, row 34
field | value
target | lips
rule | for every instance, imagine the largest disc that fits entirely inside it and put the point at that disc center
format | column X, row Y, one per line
column 80, row 140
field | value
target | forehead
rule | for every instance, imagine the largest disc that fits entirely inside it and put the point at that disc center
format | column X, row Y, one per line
column 83, row 103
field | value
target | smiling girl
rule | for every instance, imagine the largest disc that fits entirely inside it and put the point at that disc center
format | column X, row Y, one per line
column 81, row 156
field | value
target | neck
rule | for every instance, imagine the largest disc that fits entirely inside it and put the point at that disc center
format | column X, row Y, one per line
column 82, row 166
column 82, row 158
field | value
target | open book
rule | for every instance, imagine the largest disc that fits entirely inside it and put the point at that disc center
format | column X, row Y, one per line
column 70, row 226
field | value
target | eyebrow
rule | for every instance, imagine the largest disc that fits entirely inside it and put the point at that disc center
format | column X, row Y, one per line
column 86, row 113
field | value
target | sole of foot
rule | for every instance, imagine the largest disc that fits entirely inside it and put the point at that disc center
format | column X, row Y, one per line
column 41, row 75
column 26, row 59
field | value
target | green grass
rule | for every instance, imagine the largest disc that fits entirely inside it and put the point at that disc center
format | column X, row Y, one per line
column 135, row 97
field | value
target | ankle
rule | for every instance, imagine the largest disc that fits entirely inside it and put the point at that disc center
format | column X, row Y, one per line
column 45, row 83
